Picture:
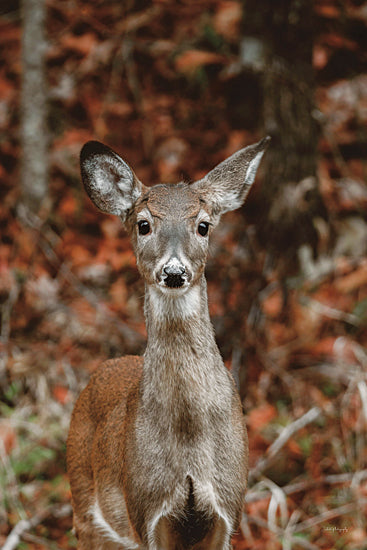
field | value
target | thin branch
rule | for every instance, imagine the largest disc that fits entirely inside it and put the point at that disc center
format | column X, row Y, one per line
column 362, row 388
column 331, row 312
column 25, row 525
column 282, row 439
column 5, row 315
column 280, row 533
column 349, row 477
column 328, row 515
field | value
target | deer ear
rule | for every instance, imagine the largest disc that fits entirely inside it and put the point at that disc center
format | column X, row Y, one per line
column 227, row 185
column 109, row 181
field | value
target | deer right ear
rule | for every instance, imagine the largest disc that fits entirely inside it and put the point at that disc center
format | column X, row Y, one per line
column 227, row 185
column 109, row 181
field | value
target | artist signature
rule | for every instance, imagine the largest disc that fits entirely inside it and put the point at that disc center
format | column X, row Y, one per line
column 337, row 529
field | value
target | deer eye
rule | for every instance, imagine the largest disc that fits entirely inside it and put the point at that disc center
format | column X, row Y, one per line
column 203, row 228
column 144, row 227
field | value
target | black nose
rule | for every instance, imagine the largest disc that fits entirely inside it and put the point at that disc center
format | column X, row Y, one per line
column 174, row 275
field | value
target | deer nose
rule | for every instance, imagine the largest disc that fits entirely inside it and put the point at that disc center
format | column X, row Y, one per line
column 174, row 274
column 174, row 269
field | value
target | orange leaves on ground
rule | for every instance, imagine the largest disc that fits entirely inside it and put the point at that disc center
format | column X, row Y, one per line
column 68, row 206
column 190, row 60
column 119, row 109
column 320, row 57
column 261, row 416
column 61, row 394
column 293, row 448
column 6, row 88
column 111, row 227
column 118, row 259
column 82, row 44
column 328, row 295
column 170, row 159
column 353, row 281
column 7, row 280
column 278, row 334
column 313, row 462
column 353, row 410
column 273, row 303
column 8, row 436
column 328, row 10
column 357, row 537
column 227, row 20
column 134, row 21
column 338, row 41
column 25, row 244
column 119, row 294
column 340, row 348
column 72, row 137
column 79, row 255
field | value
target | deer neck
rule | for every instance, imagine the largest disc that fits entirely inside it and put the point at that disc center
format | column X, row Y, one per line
column 181, row 348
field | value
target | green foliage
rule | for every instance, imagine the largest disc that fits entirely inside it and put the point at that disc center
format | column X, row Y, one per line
column 31, row 461
column 11, row 393
column 305, row 442
column 329, row 389
column 360, row 311
column 214, row 40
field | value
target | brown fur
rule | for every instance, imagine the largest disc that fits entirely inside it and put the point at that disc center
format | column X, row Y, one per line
column 157, row 451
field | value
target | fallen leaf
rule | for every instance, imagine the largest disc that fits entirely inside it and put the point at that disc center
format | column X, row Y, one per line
column 227, row 20
column 353, row 281
column 8, row 436
column 61, row 394
column 261, row 416
column 81, row 44
column 272, row 305
column 191, row 60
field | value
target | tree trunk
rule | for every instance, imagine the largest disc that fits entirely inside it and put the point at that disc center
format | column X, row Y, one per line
column 289, row 197
column 34, row 134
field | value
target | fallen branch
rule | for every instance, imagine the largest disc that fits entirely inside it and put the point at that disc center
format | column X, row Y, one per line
column 282, row 439
column 331, row 312
column 307, row 484
column 260, row 522
column 56, row 510
column 328, row 515
column 5, row 315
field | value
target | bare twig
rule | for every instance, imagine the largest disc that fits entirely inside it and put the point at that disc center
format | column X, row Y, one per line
column 11, row 487
column 328, row 515
column 362, row 388
column 282, row 439
column 280, row 533
column 5, row 314
column 295, row 528
column 24, row 525
column 354, row 478
column 331, row 312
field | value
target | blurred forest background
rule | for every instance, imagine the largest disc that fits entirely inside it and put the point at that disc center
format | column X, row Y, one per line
column 175, row 87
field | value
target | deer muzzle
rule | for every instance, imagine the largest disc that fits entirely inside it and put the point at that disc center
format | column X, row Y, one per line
column 174, row 274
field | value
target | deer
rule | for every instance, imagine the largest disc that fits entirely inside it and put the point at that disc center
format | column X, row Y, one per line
column 157, row 451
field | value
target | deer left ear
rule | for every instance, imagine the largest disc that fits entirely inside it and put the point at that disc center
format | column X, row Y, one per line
column 109, row 181
column 227, row 185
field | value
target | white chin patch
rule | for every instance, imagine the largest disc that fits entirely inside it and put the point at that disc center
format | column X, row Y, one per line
column 175, row 303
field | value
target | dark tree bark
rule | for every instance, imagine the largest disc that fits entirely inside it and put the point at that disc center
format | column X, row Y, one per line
column 283, row 32
column 34, row 134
